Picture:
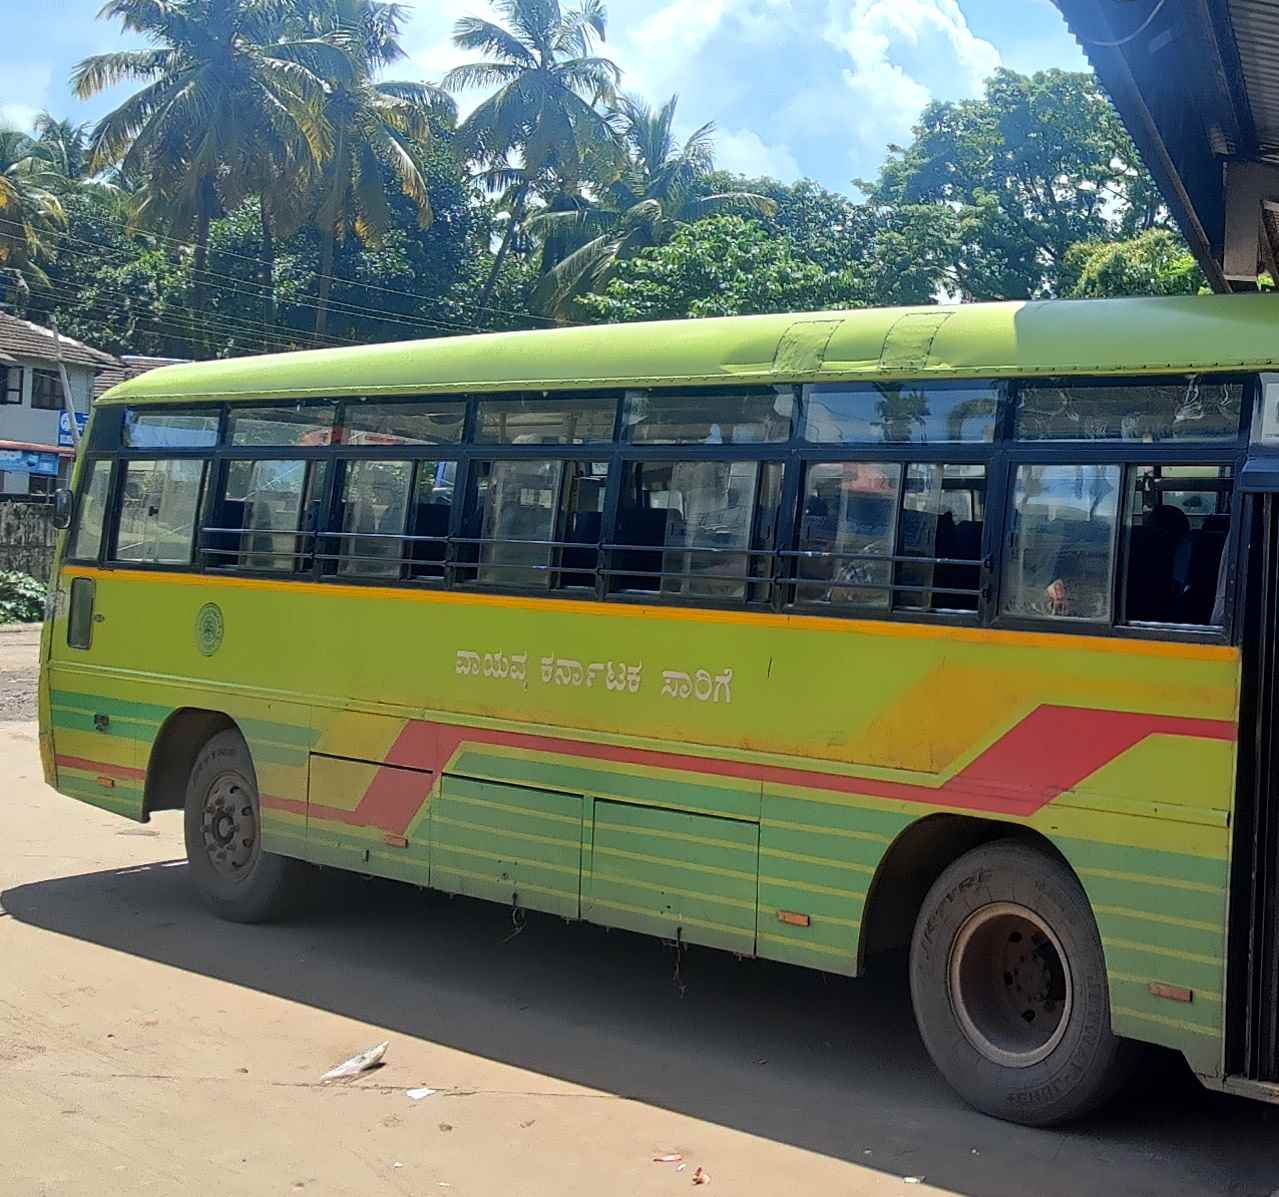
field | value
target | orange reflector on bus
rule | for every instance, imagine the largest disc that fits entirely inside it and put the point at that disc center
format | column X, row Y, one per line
column 395, row 841
column 109, row 782
column 1174, row 993
column 792, row 919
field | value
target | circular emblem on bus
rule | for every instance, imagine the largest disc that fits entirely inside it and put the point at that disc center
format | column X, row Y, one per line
column 208, row 629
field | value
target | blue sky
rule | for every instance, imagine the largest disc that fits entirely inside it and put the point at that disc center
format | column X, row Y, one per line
column 796, row 88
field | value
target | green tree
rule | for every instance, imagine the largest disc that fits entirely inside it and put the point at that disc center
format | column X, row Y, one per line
column 1155, row 262
column 64, row 145
column 30, row 210
column 653, row 196
column 544, row 112
column 721, row 266
column 1014, row 179
column 229, row 83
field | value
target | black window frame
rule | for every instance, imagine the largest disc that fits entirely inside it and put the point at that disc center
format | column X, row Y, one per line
column 1000, row 457
column 52, row 380
column 10, row 389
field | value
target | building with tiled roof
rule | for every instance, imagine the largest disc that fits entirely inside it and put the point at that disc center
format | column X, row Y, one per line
column 35, row 435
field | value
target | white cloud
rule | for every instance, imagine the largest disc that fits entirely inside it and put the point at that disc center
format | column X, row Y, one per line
column 18, row 116
column 904, row 53
column 744, row 152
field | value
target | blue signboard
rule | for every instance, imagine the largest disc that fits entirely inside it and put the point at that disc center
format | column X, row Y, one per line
column 64, row 426
column 24, row 461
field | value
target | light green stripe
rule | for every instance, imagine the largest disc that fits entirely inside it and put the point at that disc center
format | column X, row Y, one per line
column 653, row 887
column 1163, row 1020
column 818, row 861
column 501, row 833
column 674, row 862
column 1147, row 879
column 451, row 796
column 1164, row 919
column 1170, row 953
column 1206, row 995
column 810, row 887
column 803, row 945
column 441, row 846
column 655, row 917
column 515, row 886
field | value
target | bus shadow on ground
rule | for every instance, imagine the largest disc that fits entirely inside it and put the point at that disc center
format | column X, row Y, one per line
column 822, row 1063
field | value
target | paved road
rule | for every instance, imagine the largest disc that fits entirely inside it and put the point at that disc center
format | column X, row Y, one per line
column 147, row 1049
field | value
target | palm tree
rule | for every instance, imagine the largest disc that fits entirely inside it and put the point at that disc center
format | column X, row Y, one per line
column 651, row 198
column 543, row 120
column 376, row 128
column 64, row 144
column 226, row 80
column 29, row 207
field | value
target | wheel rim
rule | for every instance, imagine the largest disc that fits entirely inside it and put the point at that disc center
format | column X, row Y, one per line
column 1010, row 985
column 229, row 827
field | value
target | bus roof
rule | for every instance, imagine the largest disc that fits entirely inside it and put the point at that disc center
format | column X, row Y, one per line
column 1189, row 334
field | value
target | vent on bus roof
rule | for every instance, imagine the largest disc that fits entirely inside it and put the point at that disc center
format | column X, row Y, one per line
column 909, row 342
column 801, row 349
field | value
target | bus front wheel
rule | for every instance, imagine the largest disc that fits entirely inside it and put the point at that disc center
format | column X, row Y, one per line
column 236, row 879
column 1008, row 980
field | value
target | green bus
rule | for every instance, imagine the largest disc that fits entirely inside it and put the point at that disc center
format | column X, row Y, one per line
column 799, row 636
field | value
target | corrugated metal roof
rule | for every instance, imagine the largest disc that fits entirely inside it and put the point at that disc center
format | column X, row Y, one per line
column 1256, row 29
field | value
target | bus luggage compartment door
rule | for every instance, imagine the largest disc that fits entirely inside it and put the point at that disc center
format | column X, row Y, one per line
column 511, row 844
column 676, row 875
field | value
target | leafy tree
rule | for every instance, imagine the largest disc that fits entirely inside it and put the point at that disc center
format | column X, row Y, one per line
column 231, row 86
column 30, row 210
column 544, row 112
column 379, row 131
column 1155, row 262
column 1038, row 164
column 655, row 194
column 721, row 266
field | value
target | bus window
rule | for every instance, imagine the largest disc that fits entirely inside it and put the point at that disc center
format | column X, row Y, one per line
column 751, row 418
column 685, row 528
column 430, row 517
column 86, row 540
column 513, row 518
column 425, row 422
column 375, row 502
column 158, row 511
column 897, row 412
column 849, row 522
column 171, row 429
column 304, row 425
column 1062, row 542
column 258, row 523
column 943, row 511
column 1175, row 410
column 1176, row 527
column 556, row 420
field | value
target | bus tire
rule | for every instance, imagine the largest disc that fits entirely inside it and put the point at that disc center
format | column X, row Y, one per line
column 237, row 880
column 1008, row 981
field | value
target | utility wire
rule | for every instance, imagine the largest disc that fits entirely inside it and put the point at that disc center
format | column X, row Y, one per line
column 1131, row 37
column 123, row 225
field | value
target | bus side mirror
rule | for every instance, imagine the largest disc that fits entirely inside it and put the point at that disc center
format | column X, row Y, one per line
column 62, row 508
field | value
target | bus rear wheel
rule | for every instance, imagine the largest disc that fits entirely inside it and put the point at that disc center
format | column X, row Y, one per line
column 236, row 878
column 1008, row 980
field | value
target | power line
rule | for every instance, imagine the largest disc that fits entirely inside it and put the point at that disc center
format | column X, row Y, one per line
column 337, row 306
column 548, row 320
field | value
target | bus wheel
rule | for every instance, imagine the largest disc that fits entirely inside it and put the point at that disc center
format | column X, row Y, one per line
column 236, row 879
column 1009, row 986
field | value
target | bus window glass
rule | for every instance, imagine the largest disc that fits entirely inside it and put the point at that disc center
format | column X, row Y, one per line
column 262, row 509
column 943, row 511
column 426, row 422
column 752, row 418
column 430, row 517
column 1182, row 410
column 86, row 541
column 1176, row 526
column 171, row 429
column 900, row 412
column 516, row 503
column 158, row 511
column 584, row 491
column 304, row 426
column 375, row 502
column 555, row 420
column 849, row 523
column 1062, row 543
column 685, row 528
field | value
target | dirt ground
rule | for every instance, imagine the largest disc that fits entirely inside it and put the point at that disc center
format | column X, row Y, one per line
column 146, row 1048
column 18, row 649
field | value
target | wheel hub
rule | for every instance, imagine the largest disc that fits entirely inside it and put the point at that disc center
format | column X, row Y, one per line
column 1010, row 984
column 230, row 827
